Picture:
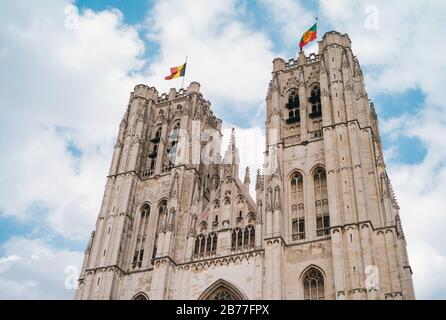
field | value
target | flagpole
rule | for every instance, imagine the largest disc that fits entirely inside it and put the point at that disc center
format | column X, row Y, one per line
column 182, row 83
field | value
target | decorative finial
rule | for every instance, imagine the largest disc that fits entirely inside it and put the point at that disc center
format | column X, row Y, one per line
column 247, row 178
column 258, row 180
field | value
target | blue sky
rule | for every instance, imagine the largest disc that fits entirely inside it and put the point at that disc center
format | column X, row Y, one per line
column 134, row 11
column 61, row 104
column 387, row 105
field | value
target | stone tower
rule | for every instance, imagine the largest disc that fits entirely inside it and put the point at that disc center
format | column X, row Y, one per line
column 177, row 222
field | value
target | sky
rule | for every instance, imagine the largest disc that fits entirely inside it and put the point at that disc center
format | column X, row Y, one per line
column 67, row 68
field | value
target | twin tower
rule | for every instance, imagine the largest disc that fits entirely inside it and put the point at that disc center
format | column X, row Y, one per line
column 176, row 221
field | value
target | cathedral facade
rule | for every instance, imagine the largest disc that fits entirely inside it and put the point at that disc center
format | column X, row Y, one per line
column 177, row 222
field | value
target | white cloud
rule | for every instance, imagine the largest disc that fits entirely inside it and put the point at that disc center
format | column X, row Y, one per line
column 63, row 94
column 6, row 262
column 231, row 60
column 428, row 265
column 78, row 80
column 7, row 259
column 291, row 18
column 404, row 47
column 36, row 270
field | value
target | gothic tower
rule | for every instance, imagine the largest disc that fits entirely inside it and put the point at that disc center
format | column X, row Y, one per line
column 328, row 197
column 177, row 222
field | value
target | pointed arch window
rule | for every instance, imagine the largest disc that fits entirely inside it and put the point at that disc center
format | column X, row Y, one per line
column 222, row 290
column 162, row 215
column 313, row 284
column 250, row 236
column 223, row 294
column 243, row 238
column 315, row 101
column 297, row 207
column 155, row 141
column 141, row 235
column 174, row 137
column 200, row 245
column 162, row 221
column 140, row 296
column 205, row 244
column 293, row 106
column 235, row 236
column 321, row 203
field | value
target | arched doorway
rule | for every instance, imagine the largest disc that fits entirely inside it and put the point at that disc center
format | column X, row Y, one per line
column 222, row 290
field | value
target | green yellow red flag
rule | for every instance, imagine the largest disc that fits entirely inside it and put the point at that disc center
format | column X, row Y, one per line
column 308, row 36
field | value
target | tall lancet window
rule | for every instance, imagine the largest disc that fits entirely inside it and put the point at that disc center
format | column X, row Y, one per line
column 297, row 207
column 243, row 238
column 154, row 150
column 315, row 101
column 174, row 137
column 162, row 221
column 205, row 244
column 141, row 235
column 313, row 283
column 293, row 105
column 321, row 203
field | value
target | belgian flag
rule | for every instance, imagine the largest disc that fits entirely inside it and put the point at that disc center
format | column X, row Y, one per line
column 176, row 72
column 308, row 36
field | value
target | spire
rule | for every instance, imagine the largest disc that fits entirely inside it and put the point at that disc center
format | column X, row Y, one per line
column 231, row 159
column 247, row 178
column 233, row 139
column 258, row 180
column 231, row 154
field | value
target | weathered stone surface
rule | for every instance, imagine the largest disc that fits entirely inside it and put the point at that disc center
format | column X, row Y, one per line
column 324, row 212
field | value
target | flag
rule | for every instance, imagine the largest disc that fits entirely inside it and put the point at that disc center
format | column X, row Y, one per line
column 176, row 72
column 308, row 36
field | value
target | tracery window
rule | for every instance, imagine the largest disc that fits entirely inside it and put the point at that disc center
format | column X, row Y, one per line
column 162, row 214
column 205, row 244
column 223, row 294
column 293, row 107
column 222, row 290
column 249, row 236
column 313, row 284
column 174, row 137
column 315, row 102
column 140, row 296
column 321, row 203
column 243, row 238
column 154, row 153
column 141, row 235
column 297, row 207
column 162, row 221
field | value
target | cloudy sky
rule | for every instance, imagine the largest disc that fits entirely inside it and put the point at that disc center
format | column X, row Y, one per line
column 67, row 68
